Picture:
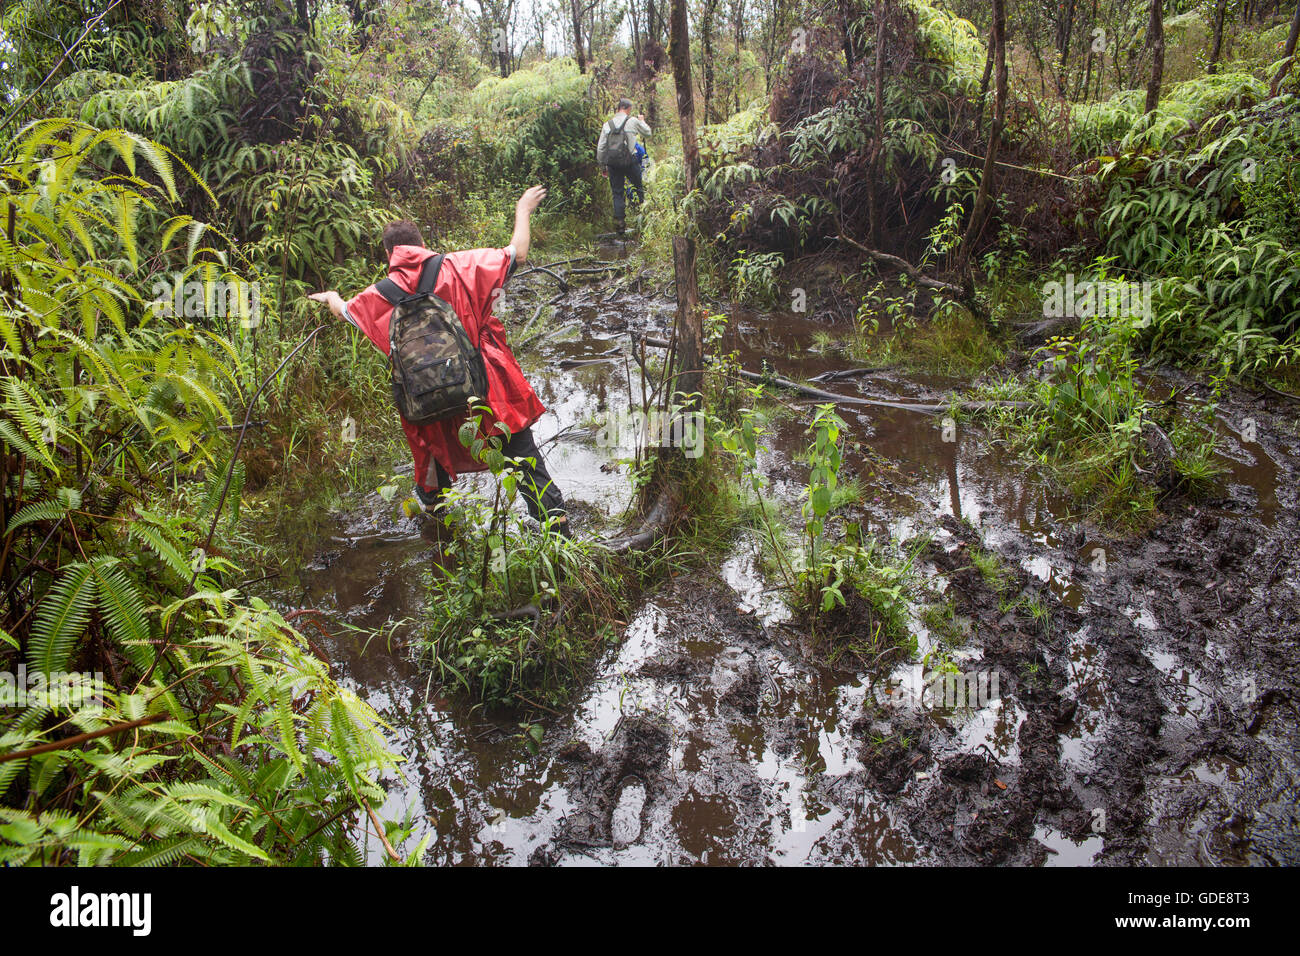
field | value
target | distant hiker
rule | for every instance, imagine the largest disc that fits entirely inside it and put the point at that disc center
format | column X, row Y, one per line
column 468, row 283
column 616, row 153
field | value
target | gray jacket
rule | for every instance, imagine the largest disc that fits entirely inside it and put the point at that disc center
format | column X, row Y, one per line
column 633, row 128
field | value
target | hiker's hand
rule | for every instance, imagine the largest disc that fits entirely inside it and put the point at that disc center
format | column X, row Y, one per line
column 331, row 299
column 604, row 171
column 529, row 201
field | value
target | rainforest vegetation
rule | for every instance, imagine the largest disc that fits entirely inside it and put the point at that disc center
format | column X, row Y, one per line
column 1076, row 224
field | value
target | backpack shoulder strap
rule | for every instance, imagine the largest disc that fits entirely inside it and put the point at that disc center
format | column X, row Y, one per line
column 390, row 290
column 429, row 274
column 394, row 293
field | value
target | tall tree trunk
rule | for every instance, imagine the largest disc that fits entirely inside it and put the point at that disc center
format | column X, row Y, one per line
column 575, row 10
column 997, row 39
column 1219, row 9
column 1289, row 52
column 1156, row 38
column 877, row 148
column 689, row 319
column 738, row 35
column 638, row 67
column 706, row 45
column 1064, row 34
column 985, row 79
column 850, row 53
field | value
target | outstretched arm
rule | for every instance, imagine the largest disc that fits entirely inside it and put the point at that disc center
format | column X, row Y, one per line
column 523, row 213
column 333, row 300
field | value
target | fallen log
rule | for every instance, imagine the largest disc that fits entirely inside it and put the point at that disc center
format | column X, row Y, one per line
column 807, row 391
column 850, row 373
column 564, row 284
column 915, row 274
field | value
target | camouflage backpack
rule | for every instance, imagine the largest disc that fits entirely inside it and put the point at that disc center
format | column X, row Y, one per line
column 436, row 369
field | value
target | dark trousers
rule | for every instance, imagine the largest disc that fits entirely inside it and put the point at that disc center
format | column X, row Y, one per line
column 541, row 495
column 616, row 176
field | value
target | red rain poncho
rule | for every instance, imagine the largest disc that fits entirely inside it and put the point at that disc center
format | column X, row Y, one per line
column 468, row 282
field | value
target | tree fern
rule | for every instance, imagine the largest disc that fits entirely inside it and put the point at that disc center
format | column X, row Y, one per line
column 61, row 618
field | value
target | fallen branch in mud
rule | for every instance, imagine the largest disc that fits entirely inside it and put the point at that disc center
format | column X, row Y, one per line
column 965, row 294
column 807, row 391
column 849, row 373
column 1277, row 391
column 915, row 274
column 564, row 283
column 622, row 287
column 607, row 356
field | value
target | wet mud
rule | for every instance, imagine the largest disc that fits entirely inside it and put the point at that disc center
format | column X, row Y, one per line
column 1146, row 706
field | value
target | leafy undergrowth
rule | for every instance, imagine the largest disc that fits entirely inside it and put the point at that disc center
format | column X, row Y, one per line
column 556, row 603
column 515, row 613
column 167, row 717
column 848, row 589
column 1092, row 422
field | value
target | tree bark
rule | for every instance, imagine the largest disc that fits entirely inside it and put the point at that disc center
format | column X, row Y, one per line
column 1156, row 38
column 679, row 51
column 689, row 320
column 1289, row 52
column 1219, row 9
column 877, row 148
column 706, row 50
column 575, row 11
column 997, row 39
column 850, row 53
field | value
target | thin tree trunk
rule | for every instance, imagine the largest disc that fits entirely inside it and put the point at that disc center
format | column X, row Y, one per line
column 575, row 10
column 1219, row 9
column 689, row 319
column 1064, row 34
column 877, row 199
column 1289, row 52
column 984, row 90
column 679, row 51
column 706, row 45
column 850, row 55
column 1156, row 37
column 997, row 39
column 636, row 40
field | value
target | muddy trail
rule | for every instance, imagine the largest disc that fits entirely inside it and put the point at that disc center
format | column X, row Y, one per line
column 1144, row 708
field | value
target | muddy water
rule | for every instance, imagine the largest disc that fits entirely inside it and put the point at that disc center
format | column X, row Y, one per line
column 706, row 734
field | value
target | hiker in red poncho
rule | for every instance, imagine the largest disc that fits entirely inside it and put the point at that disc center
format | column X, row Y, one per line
column 469, row 282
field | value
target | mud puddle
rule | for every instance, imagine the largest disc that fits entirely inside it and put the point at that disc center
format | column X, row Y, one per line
column 1148, row 716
